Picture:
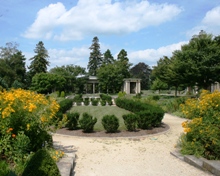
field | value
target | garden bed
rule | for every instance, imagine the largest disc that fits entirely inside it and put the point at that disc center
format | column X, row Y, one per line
column 164, row 127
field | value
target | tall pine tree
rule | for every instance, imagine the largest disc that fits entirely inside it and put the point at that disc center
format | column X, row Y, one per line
column 95, row 59
column 39, row 62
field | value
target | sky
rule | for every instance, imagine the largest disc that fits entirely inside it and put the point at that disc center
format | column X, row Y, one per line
column 146, row 29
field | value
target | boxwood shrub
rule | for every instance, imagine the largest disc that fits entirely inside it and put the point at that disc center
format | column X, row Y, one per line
column 148, row 115
column 72, row 120
column 110, row 123
column 65, row 105
column 87, row 122
column 130, row 121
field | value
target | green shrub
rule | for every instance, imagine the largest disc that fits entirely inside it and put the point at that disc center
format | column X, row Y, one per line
column 65, row 105
column 58, row 93
column 95, row 102
column 156, row 97
column 144, row 120
column 138, row 96
column 110, row 123
column 78, row 98
column 103, row 102
column 86, row 102
column 72, row 120
column 121, row 94
column 87, row 122
column 41, row 163
column 62, row 94
column 130, row 121
column 4, row 168
column 106, row 97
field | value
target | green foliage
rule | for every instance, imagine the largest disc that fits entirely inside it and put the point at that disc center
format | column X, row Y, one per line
column 78, row 98
column 72, row 120
column 106, row 98
column 103, row 102
column 4, row 168
column 95, row 58
column 58, row 93
column 148, row 115
column 137, row 96
column 87, row 122
column 39, row 62
column 121, row 94
column 65, row 105
column 95, row 102
column 144, row 119
column 173, row 105
column 130, row 121
column 143, row 72
column 41, row 164
column 110, row 123
column 86, row 102
column 62, row 94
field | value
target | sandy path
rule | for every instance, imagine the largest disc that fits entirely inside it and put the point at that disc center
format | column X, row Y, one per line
column 143, row 156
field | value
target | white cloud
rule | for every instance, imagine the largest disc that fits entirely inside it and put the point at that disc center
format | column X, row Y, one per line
column 75, row 56
column 210, row 23
column 151, row 56
column 98, row 17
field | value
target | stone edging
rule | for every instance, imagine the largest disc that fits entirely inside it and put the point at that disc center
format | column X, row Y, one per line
column 212, row 166
column 66, row 164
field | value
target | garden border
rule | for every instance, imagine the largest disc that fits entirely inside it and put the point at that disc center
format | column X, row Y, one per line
column 212, row 166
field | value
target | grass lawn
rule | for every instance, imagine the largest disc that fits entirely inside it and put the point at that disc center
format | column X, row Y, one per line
column 99, row 112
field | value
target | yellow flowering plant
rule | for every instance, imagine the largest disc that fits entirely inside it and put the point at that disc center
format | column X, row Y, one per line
column 25, row 114
column 202, row 132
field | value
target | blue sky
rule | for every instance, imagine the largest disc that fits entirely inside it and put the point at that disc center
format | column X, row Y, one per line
column 147, row 30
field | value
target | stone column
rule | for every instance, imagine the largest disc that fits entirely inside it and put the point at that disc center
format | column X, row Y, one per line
column 128, row 88
column 93, row 87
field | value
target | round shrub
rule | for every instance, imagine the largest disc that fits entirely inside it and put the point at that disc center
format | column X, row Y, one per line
column 87, row 122
column 41, row 163
column 110, row 123
column 130, row 121
column 65, row 105
column 144, row 119
column 62, row 94
column 72, row 120
column 95, row 102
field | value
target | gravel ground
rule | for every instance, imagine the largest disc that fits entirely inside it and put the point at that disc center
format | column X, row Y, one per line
column 132, row 156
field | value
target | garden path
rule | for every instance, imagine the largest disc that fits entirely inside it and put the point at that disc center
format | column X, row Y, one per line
column 139, row 156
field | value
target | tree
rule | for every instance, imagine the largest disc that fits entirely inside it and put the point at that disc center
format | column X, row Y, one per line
column 199, row 60
column 158, row 85
column 95, row 59
column 47, row 82
column 70, row 73
column 167, row 70
column 12, row 65
column 142, row 71
column 123, row 63
column 108, row 58
column 39, row 62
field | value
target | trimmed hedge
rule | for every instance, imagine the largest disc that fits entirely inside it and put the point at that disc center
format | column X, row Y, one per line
column 106, row 98
column 148, row 115
column 110, row 123
column 65, row 105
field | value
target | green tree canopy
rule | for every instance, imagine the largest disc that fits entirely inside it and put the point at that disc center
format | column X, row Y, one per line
column 39, row 62
column 142, row 71
column 47, row 82
column 108, row 58
column 95, row 58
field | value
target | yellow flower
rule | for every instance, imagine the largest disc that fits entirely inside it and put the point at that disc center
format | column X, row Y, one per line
column 28, row 126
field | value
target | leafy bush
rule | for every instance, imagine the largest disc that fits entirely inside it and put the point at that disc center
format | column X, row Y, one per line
column 130, row 121
column 62, row 94
column 103, row 102
column 138, row 96
column 95, row 102
column 72, row 120
column 105, row 97
column 110, row 123
column 87, row 122
column 121, row 94
column 41, row 163
column 173, row 105
column 26, row 119
column 86, row 102
column 65, row 105
column 78, row 98
column 4, row 168
column 144, row 119
column 202, row 134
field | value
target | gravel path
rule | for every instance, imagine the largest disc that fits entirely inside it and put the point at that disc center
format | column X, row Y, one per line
column 140, row 156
